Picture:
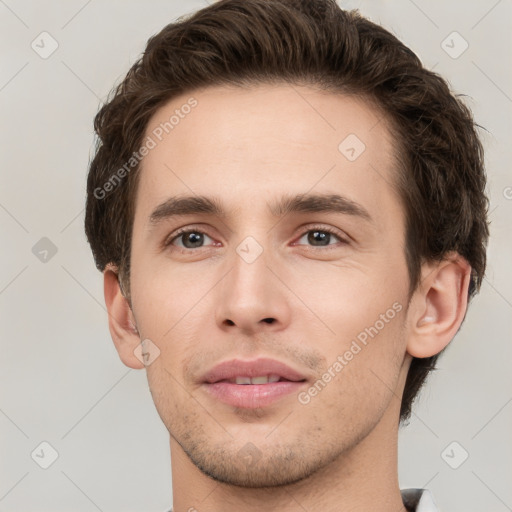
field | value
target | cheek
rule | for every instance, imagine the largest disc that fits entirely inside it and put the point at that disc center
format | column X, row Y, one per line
column 357, row 323
column 173, row 309
column 162, row 296
column 358, row 383
column 345, row 298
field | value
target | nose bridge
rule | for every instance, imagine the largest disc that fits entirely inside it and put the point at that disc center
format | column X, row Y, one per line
column 250, row 266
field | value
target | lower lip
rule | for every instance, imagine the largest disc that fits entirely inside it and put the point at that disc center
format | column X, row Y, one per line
column 252, row 396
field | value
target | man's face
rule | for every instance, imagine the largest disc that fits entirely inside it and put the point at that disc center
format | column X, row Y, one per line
column 251, row 284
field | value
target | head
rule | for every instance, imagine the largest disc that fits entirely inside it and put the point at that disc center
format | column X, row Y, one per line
column 257, row 106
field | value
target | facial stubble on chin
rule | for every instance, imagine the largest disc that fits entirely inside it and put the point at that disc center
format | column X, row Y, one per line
column 249, row 467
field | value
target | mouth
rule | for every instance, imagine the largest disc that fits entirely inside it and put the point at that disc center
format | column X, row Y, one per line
column 252, row 384
column 264, row 379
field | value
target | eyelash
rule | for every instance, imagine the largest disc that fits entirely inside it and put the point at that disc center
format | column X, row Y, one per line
column 322, row 229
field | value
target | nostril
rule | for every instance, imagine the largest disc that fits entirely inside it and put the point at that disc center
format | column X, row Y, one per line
column 269, row 320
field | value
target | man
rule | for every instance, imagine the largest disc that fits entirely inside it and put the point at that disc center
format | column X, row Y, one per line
column 290, row 217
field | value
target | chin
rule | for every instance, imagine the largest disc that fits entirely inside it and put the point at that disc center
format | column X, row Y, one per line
column 250, row 468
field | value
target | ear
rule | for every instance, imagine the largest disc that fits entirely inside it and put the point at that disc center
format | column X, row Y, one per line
column 121, row 321
column 438, row 306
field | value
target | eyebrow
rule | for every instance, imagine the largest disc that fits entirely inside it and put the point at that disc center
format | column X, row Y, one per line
column 300, row 203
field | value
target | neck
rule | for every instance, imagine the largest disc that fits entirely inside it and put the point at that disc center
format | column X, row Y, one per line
column 365, row 478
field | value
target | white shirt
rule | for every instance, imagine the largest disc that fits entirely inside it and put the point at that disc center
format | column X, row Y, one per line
column 418, row 500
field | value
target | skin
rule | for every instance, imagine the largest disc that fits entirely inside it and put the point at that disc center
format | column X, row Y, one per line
column 204, row 305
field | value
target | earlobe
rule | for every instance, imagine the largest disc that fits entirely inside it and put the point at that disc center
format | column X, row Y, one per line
column 121, row 321
column 438, row 306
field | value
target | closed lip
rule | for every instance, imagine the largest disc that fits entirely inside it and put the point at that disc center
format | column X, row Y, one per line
column 231, row 369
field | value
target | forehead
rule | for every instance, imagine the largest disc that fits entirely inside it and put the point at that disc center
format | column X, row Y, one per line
column 263, row 139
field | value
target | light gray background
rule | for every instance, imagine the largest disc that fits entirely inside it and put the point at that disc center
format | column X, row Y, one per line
column 60, row 378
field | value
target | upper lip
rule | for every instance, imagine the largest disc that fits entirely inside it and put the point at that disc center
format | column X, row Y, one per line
column 255, row 368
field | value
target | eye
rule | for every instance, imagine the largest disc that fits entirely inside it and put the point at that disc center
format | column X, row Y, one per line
column 190, row 239
column 196, row 239
column 321, row 237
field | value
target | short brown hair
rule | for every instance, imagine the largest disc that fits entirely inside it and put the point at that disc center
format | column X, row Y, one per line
column 441, row 179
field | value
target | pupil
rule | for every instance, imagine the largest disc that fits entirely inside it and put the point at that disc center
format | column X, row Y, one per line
column 319, row 236
column 193, row 240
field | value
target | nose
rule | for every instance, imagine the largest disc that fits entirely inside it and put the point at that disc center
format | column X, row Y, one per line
column 251, row 297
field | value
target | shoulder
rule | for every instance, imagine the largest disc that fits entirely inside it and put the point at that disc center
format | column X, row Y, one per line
column 419, row 500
